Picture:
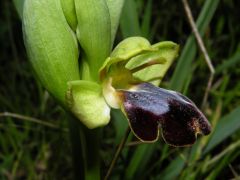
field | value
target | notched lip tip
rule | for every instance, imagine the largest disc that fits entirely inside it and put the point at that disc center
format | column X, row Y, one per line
column 178, row 145
column 207, row 131
column 206, row 128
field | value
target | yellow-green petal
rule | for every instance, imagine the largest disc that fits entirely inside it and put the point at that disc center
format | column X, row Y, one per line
column 130, row 47
column 153, row 74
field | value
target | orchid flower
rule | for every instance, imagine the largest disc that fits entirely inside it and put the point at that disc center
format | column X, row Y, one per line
column 127, row 81
column 69, row 46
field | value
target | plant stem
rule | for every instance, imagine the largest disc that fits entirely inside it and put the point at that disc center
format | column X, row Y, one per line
column 92, row 153
column 85, row 148
column 119, row 150
column 202, row 48
column 77, row 148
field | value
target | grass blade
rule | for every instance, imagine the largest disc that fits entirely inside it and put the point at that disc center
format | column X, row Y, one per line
column 129, row 22
column 183, row 68
column 19, row 6
column 232, row 61
column 173, row 169
column 138, row 163
column 146, row 22
column 225, row 127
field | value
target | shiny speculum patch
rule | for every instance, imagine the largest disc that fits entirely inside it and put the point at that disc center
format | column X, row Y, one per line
column 149, row 108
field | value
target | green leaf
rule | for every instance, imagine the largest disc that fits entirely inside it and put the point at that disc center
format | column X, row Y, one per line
column 86, row 102
column 19, row 6
column 173, row 169
column 129, row 22
column 146, row 22
column 120, row 124
column 225, row 128
column 137, row 163
column 230, row 62
column 51, row 46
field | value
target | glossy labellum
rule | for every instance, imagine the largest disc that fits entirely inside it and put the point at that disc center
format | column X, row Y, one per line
column 149, row 108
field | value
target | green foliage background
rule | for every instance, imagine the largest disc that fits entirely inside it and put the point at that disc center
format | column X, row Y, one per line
column 40, row 148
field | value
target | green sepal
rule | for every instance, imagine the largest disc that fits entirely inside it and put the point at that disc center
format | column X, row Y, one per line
column 86, row 102
column 93, row 32
column 68, row 7
column 51, row 46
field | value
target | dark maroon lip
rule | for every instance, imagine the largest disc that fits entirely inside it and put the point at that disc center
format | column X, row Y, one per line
column 149, row 107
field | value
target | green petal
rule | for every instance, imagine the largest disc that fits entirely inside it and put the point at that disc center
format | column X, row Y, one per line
column 167, row 50
column 86, row 102
column 131, row 47
column 145, row 59
column 125, row 50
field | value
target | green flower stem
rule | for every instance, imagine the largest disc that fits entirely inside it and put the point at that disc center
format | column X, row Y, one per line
column 77, row 147
column 85, row 149
column 92, row 153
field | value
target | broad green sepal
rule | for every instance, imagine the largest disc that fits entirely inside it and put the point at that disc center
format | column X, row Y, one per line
column 94, row 32
column 51, row 45
column 86, row 102
column 130, row 47
column 68, row 7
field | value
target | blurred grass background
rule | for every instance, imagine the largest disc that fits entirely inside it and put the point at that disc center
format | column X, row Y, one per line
column 34, row 139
